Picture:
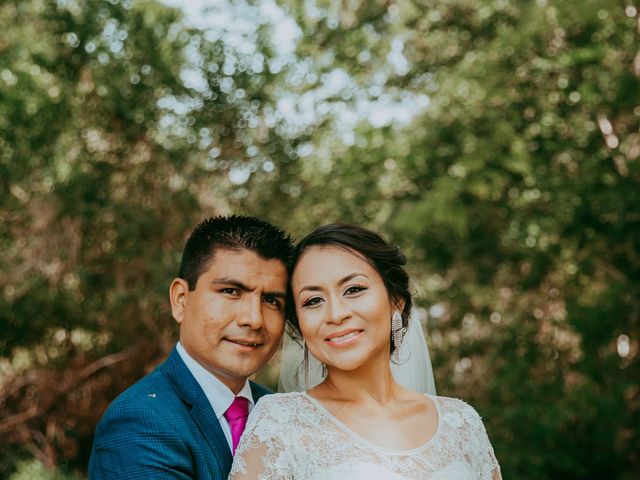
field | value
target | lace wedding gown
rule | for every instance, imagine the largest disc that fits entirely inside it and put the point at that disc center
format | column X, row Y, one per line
column 295, row 437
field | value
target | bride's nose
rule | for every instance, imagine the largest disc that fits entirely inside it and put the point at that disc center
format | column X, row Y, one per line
column 338, row 310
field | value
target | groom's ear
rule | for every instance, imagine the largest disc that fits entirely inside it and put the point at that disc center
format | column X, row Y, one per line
column 178, row 293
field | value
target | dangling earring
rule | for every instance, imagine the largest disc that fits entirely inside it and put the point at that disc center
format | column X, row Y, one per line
column 397, row 331
column 305, row 363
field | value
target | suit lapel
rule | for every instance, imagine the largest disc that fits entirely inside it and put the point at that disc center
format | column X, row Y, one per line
column 191, row 393
column 258, row 391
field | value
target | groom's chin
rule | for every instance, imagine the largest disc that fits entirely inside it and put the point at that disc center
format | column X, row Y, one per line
column 245, row 360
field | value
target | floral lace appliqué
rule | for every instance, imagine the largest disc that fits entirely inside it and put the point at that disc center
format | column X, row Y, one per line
column 289, row 436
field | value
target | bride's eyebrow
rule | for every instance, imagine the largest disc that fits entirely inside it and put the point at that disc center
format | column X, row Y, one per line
column 342, row 281
column 351, row 276
column 310, row 288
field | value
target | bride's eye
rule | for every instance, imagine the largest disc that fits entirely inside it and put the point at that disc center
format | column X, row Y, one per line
column 354, row 289
column 310, row 302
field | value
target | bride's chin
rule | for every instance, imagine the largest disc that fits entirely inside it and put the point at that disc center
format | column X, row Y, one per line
column 346, row 365
column 352, row 359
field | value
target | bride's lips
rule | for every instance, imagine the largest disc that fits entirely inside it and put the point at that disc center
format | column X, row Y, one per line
column 245, row 345
column 343, row 338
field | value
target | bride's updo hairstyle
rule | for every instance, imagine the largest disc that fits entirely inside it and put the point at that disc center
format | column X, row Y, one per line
column 387, row 260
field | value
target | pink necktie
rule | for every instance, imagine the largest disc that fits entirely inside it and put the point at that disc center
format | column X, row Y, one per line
column 237, row 415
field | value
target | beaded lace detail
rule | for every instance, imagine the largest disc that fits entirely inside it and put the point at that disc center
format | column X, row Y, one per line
column 291, row 436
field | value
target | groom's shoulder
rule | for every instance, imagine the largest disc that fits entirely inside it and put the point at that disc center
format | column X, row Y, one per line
column 258, row 390
column 152, row 392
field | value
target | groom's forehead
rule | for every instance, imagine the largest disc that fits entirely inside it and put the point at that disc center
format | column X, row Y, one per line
column 245, row 262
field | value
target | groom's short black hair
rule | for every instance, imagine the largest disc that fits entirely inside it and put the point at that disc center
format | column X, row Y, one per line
column 235, row 232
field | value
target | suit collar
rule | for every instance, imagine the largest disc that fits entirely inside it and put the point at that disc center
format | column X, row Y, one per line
column 258, row 391
column 220, row 397
column 191, row 393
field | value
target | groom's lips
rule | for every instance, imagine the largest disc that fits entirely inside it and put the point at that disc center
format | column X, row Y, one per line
column 247, row 345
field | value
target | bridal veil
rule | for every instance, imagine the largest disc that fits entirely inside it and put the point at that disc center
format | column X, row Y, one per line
column 411, row 367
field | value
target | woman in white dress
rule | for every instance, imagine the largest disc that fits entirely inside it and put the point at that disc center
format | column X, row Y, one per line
column 352, row 306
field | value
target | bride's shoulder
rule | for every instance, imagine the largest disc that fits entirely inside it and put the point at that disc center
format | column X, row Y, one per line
column 278, row 401
column 277, row 410
column 451, row 405
column 281, row 397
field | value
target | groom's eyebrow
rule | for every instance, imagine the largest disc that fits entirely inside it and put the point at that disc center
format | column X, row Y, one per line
column 230, row 282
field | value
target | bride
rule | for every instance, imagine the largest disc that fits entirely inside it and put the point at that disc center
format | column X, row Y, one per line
column 352, row 305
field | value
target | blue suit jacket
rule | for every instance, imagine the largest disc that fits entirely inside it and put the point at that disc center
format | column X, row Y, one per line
column 162, row 427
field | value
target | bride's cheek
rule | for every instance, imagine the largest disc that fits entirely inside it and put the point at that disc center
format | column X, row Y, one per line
column 309, row 328
column 303, row 322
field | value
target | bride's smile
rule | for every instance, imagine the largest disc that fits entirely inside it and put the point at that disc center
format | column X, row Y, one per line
column 344, row 339
column 343, row 308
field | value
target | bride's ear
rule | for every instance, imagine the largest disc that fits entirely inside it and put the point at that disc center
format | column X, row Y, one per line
column 398, row 304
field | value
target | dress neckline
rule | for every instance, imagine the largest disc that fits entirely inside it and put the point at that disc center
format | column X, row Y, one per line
column 342, row 426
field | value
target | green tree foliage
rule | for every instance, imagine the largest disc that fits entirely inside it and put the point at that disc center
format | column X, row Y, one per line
column 496, row 141
column 115, row 119
column 516, row 194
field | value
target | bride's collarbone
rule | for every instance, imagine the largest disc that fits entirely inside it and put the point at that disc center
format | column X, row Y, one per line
column 401, row 425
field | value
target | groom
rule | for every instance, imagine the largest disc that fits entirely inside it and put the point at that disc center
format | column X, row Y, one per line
column 183, row 420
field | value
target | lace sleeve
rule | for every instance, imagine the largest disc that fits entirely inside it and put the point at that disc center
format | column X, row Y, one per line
column 484, row 459
column 263, row 452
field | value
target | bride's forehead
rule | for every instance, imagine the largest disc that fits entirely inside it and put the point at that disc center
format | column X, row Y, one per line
column 330, row 260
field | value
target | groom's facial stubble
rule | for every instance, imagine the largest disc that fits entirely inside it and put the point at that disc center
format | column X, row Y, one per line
column 232, row 321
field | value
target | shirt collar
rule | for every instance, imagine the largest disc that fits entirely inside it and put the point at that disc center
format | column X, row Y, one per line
column 219, row 395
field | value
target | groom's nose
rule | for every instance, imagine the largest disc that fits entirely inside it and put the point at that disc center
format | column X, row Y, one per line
column 252, row 314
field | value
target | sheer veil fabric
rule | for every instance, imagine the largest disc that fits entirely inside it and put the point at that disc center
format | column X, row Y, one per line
column 411, row 368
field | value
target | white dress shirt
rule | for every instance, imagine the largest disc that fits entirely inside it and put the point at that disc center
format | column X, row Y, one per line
column 218, row 394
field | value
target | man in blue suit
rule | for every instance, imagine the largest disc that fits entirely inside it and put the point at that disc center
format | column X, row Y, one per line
column 183, row 420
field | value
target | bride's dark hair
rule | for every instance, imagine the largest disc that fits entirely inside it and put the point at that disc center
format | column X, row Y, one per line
column 387, row 259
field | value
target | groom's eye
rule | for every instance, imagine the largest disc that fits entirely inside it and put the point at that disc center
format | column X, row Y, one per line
column 229, row 291
column 273, row 300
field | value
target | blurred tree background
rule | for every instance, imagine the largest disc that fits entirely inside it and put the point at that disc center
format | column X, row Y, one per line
column 496, row 141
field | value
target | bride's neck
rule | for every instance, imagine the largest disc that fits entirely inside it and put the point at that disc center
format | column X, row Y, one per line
column 366, row 384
